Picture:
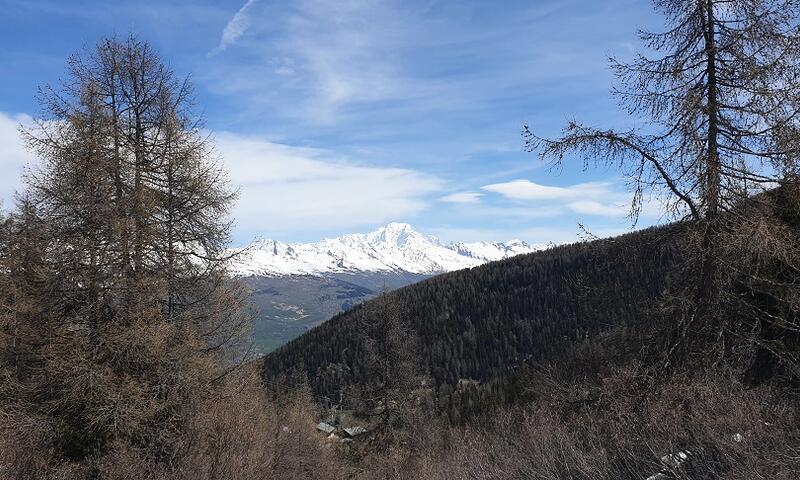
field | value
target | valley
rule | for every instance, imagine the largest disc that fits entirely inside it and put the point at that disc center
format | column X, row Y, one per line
column 295, row 287
column 288, row 306
column 197, row 280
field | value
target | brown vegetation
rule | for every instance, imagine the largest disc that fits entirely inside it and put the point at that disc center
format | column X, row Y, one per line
column 120, row 333
column 619, row 429
column 121, row 336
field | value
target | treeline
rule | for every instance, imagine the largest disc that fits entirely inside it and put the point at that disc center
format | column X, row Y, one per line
column 480, row 324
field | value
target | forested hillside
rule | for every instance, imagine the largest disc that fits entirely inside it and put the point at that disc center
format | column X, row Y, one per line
column 671, row 353
column 480, row 323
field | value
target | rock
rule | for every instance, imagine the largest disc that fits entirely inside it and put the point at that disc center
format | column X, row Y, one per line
column 325, row 427
column 355, row 431
column 674, row 460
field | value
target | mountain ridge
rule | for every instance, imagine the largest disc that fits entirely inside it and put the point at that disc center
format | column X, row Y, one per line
column 479, row 325
column 396, row 247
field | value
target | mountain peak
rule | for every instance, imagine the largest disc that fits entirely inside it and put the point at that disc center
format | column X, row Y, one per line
column 395, row 247
column 398, row 235
column 394, row 230
column 398, row 226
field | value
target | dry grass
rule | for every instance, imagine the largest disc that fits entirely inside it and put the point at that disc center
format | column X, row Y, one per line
column 619, row 430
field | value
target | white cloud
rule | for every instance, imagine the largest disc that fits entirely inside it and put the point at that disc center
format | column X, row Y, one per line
column 295, row 189
column 592, row 198
column 14, row 157
column 283, row 188
column 527, row 190
column 346, row 52
column 462, row 197
column 593, row 207
column 315, row 57
column 235, row 28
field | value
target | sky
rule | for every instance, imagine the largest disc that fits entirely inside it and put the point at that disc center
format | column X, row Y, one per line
column 338, row 116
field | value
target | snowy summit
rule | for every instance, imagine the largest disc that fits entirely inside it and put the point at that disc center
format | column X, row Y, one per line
column 397, row 247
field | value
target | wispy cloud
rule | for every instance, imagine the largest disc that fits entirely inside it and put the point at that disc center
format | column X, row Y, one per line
column 526, row 190
column 462, row 197
column 591, row 198
column 354, row 58
column 593, row 207
column 235, row 28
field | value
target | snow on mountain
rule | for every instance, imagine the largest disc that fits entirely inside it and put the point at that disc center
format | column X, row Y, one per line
column 397, row 247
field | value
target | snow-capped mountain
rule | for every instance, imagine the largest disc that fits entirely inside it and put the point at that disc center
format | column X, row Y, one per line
column 397, row 247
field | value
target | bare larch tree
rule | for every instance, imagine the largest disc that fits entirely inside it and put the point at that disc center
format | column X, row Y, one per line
column 119, row 305
column 717, row 103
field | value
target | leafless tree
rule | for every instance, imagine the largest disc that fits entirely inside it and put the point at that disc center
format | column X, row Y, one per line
column 117, row 316
column 717, row 107
column 132, row 183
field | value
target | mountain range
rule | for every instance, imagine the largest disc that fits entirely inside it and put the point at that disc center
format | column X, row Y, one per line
column 396, row 248
column 479, row 326
column 296, row 286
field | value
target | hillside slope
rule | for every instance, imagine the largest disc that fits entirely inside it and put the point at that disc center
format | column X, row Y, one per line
column 300, row 285
column 480, row 323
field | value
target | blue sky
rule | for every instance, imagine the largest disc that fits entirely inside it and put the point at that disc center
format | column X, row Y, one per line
column 337, row 116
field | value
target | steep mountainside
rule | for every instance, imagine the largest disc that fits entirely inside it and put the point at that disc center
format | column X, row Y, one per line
column 480, row 323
